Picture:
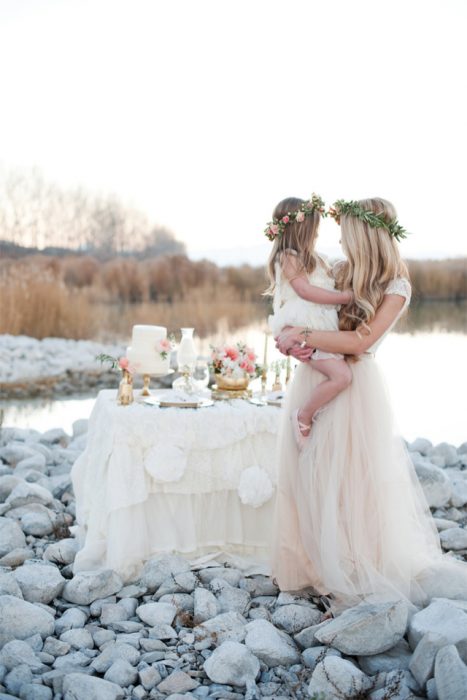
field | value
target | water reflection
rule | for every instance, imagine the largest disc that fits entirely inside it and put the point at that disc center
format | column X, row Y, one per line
column 423, row 363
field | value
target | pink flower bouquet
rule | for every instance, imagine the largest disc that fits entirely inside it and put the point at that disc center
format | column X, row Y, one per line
column 235, row 361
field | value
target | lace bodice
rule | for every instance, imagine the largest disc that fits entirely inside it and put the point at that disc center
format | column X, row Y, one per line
column 401, row 287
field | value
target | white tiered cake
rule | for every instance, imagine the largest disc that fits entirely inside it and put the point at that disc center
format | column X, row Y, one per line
column 143, row 354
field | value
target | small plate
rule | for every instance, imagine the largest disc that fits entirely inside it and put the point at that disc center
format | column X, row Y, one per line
column 259, row 401
column 203, row 403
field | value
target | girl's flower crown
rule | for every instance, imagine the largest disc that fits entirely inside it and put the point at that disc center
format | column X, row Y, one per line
column 368, row 217
column 276, row 227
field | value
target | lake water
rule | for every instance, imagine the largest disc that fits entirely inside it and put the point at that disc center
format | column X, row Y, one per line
column 423, row 362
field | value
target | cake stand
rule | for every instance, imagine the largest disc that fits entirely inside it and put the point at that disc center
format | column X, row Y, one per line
column 147, row 380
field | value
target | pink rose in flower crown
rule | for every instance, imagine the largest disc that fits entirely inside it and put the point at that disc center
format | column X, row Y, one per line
column 300, row 217
column 274, row 228
column 285, row 219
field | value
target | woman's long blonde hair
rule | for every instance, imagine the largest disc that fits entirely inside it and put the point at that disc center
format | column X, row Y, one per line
column 300, row 237
column 373, row 260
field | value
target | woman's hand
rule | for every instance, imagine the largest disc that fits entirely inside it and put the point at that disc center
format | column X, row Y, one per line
column 287, row 338
column 302, row 354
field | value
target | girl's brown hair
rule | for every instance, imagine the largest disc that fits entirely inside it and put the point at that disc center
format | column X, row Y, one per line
column 297, row 236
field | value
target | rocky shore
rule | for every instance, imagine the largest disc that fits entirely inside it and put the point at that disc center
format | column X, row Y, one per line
column 210, row 633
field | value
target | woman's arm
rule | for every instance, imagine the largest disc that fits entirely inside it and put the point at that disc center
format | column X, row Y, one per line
column 345, row 342
column 298, row 280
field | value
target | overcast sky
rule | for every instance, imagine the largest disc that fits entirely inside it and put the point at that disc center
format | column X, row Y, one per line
column 205, row 113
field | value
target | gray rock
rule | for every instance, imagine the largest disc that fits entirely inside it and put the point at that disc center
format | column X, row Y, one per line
column 133, row 590
column 11, row 536
column 156, row 613
column 163, row 632
column 72, row 618
column 55, row 436
column 38, row 524
column 336, row 678
column 55, row 647
column 440, row 617
column 366, row 629
column 421, row 445
column 114, row 612
column 78, row 638
column 88, row 586
column 157, row 570
column 184, row 582
column 459, row 492
column 206, row 605
column 9, row 585
column 435, row 483
column 232, row 576
column 7, row 484
column 36, row 461
column 313, row 656
column 122, row 673
column 62, row 552
column 445, row 451
column 25, row 493
column 74, row 659
column 259, row 585
column 232, row 664
column 397, row 658
column 16, row 678
column 177, row 682
column 77, row 686
column 39, row 582
column 454, row 538
column 20, row 620
column 15, row 452
column 18, row 652
column 293, row 618
column 306, row 638
column 422, row 662
column 149, row 677
column 450, row 674
column 34, row 691
column 270, row 645
column 231, row 599
column 221, row 628
column 182, row 601
column 445, row 581
column 112, row 653
column 16, row 556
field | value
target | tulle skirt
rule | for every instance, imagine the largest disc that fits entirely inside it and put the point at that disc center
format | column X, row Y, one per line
column 351, row 518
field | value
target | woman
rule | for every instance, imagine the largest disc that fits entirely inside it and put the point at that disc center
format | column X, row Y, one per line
column 351, row 518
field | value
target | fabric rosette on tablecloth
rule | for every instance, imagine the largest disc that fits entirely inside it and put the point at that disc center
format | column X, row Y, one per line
column 165, row 462
column 255, row 487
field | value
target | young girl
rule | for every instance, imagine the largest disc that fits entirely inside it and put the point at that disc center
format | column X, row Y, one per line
column 304, row 295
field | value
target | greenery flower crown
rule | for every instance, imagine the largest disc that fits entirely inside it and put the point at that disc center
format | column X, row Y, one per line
column 276, row 227
column 353, row 208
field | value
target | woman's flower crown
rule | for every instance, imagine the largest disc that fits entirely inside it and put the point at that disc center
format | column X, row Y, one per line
column 353, row 208
column 276, row 227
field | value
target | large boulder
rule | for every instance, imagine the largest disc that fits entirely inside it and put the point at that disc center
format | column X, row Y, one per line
column 435, row 484
column 87, row 586
column 157, row 570
column 454, row 538
column 224, row 627
column 450, row 674
column 335, row 678
column 156, row 613
column 368, row 628
column 21, row 620
column 422, row 662
column 78, row 686
column 26, row 493
column 232, row 664
column 206, row 605
column 441, row 617
column 11, row 536
column 39, row 582
column 293, row 618
column 270, row 645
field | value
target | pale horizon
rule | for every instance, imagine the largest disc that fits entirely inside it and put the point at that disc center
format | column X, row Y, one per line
column 204, row 115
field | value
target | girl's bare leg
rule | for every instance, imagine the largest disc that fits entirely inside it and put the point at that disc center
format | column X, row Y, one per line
column 338, row 377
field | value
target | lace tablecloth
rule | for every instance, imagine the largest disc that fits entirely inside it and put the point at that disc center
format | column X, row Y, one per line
column 194, row 481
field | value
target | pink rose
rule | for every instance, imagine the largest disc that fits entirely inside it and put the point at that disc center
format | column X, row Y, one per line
column 285, row 219
column 274, row 229
column 300, row 217
column 232, row 353
column 250, row 368
column 165, row 344
column 123, row 363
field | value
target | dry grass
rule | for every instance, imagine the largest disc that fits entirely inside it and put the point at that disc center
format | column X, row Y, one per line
column 80, row 297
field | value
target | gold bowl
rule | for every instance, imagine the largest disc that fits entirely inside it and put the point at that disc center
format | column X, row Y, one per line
column 225, row 383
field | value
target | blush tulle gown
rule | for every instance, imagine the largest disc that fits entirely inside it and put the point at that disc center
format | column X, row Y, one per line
column 351, row 518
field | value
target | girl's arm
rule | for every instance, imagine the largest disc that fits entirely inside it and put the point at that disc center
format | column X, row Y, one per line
column 345, row 342
column 310, row 292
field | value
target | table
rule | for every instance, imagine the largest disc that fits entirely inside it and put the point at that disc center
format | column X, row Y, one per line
column 199, row 482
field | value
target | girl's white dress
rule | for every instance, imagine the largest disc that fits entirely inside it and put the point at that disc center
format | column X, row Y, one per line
column 291, row 310
column 351, row 518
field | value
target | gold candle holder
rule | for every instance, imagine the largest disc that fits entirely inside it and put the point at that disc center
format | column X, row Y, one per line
column 146, row 382
column 125, row 389
column 264, row 379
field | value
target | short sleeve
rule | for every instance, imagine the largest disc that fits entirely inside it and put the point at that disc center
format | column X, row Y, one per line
column 401, row 287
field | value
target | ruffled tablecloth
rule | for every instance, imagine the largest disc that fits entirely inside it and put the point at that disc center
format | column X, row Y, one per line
column 193, row 481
